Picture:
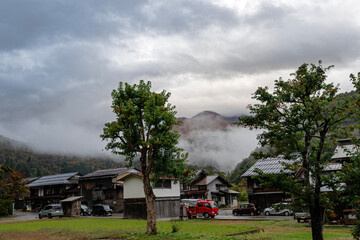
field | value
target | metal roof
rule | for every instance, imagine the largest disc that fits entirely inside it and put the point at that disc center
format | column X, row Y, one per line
column 268, row 165
column 333, row 167
column 54, row 180
column 342, row 151
column 107, row 172
column 71, row 199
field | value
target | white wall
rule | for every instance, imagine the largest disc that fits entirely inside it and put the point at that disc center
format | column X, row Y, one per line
column 167, row 192
column 133, row 188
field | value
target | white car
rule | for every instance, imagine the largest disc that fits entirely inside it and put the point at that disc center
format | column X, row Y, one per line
column 278, row 209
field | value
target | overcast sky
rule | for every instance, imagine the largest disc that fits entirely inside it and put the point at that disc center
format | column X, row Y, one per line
column 59, row 60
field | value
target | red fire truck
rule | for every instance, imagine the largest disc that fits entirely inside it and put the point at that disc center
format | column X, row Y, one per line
column 196, row 208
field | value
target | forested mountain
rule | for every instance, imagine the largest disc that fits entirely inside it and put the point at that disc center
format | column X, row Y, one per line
column 33, row 164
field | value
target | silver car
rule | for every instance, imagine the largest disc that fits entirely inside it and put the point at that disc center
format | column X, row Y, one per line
column 52, row 210
column 278, row 209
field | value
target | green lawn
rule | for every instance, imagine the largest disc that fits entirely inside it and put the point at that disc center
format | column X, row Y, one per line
column 91, row 228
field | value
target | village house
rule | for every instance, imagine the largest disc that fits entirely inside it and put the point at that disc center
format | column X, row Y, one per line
column 52, row 189
column 264, row 197
column 105, row 187
column 167, row 193
column 209, row 187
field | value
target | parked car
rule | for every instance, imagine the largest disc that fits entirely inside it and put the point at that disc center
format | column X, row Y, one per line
column 246, row 208
column 85, row 210
column 52, row 210
column 101, row 210
column 305, row 216
column 278, row 209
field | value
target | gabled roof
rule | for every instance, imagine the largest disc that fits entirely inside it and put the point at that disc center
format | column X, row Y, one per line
column 108, row 173
column 58, row 179
column 268, row 165
column 209, row 179
column 199, row 174
column 342, row 151
column 333, row 167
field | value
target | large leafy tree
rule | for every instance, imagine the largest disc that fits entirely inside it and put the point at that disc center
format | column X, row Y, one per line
column 143, row 129
column 12, row 186
column 302, row 119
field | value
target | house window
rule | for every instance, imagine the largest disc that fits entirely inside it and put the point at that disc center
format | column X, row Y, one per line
column 166, row 183
column 184, row 186
column 202, row 187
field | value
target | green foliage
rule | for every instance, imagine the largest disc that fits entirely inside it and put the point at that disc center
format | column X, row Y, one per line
column 302, row 118
column 175, row 227
column 5, row 207
column 12, row 187
column 144, row 127
column 241, row 187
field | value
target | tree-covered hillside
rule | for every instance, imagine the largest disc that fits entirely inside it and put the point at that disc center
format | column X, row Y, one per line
column 22, row 158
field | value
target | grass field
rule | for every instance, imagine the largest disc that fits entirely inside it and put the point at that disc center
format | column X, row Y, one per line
column 83, row 228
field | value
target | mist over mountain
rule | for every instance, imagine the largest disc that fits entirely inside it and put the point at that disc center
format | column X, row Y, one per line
column 32, row 163
column 210, row 139
column 213, row 140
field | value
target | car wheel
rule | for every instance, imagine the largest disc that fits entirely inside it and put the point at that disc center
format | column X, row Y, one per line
column 40, row 217
column 286, row 213
column 206, row 215
column 234, row 213
column 49, row 215
column 252, row 213
column 267, row 213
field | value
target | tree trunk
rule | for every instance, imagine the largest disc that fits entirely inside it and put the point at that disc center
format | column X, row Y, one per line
column 317, row 218
column 150, row 205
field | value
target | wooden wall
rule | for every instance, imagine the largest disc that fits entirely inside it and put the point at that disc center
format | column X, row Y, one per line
column 166, row 207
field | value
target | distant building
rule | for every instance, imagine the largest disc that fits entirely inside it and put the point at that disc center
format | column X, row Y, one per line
column 105, row 187
column 209, row 187
column 52, row 189
column 264, row 197
column 166, row 190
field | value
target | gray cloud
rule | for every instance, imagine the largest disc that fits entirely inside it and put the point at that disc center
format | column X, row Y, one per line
column 59, row 60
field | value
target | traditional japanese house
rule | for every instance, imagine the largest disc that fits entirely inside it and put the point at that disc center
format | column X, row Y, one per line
column 166, row 190
column 209, row 187
column 52, row 189
column 264, row 197
column 104, row 187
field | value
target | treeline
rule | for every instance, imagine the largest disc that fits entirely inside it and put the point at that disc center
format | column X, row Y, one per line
column 33, row 164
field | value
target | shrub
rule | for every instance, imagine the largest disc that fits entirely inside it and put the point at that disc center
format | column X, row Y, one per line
column 5, row 207
column 175, row 227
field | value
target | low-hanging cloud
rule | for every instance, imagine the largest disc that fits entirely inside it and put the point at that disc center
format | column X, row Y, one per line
column 60, row 60
column 219, row 149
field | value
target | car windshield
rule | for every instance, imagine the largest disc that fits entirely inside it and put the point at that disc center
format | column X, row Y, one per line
column 57, row 208
column 213, row 205
column 84, row 207
column 106, row 207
